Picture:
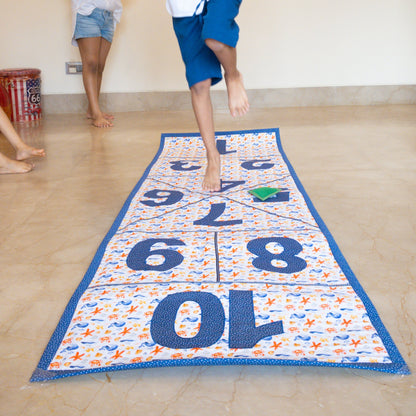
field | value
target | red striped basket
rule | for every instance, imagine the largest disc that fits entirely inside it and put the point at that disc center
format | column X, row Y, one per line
column 23, row 89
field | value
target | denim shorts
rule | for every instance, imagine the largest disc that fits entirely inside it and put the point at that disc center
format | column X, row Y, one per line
column 215, row 22
column 99, row 24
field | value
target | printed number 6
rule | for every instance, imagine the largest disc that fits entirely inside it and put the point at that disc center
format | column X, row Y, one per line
column 170, row 197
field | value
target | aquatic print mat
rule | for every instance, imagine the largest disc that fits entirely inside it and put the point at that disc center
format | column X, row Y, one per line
column 185, row 277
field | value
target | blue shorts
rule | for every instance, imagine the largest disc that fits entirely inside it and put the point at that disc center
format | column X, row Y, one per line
column 99, row 24
column 215, row 22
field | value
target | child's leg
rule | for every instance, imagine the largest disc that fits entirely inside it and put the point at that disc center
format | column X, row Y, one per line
column 102, row 58
column 201, row 102
column 13, row 166
column 23, row 151
column 220, row 32
column 90, row 49
column 237, row 96
column 202, row 71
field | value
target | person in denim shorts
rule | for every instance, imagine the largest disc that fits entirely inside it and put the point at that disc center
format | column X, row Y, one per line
column 93, row 24
column 207, row 34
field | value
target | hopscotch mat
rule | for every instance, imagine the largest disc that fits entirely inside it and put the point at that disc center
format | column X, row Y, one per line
column 185, row 277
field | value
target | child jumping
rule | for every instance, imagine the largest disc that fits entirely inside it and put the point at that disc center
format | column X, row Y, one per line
column 23, row 151
column 207, row 35
column 93, row 24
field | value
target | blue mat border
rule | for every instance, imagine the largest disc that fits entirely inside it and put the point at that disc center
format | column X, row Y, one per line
column 398, row 365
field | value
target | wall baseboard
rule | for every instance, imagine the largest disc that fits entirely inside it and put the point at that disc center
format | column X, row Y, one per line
column 261, row 98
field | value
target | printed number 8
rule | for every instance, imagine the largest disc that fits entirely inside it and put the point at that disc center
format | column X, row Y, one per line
column 264, row 257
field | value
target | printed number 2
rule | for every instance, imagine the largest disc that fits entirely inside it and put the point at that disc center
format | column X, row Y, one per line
column 263, row 261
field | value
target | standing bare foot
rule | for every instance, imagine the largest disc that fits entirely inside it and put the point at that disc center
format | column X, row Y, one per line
column 212, row 179
column 237, row 96
column 101, row 121
column 105, row 115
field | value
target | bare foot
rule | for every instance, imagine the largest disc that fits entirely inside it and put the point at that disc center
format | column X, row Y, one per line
column 101, row 121
column 28, row 152
column 237, row 96
column 13, row 166
column 105, row 115
column 212, row 179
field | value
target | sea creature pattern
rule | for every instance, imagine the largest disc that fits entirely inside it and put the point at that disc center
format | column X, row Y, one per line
column 184, row 276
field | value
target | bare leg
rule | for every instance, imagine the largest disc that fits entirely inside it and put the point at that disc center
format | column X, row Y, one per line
column 92, row 68
column 237, row 96
column 102, row 58
column 104, row 50
column 201, row 102
column 23, row 151
column 13, row 166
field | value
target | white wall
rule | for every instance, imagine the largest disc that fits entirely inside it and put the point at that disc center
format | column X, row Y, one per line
column 296, row 43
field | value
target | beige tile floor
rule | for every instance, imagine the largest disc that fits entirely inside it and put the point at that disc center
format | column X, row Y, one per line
column 358, row 165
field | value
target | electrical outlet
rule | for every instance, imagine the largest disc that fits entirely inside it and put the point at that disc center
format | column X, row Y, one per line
column 73, row 68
